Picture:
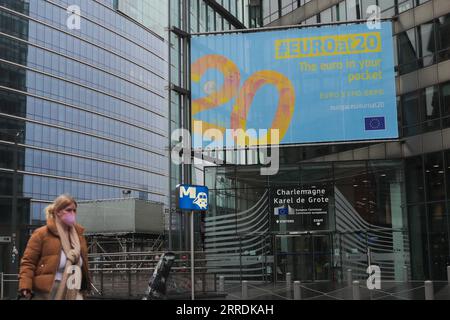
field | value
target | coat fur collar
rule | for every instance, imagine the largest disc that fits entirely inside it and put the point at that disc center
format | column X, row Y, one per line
column 51, row 225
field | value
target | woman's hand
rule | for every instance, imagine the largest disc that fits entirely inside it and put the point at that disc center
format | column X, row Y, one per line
column 25, row 293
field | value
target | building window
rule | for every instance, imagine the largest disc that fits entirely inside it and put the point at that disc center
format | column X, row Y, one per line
column 438, row 235
column 434, row 177
column 419, row 243
column 325, row 16
column 410, row 114
column 426, row 41
column 421, row 111
column 194, row 15
column 211, row 19
column 340, row 12
column 424, row 45
column 414, row 180
column 447, row 172
column 430, row 108
column 202, row 17
column 365, row 4
column 445, row 104
column 443, row 43
column 407, row 55
column 353, row 10
column 404, row 5
column 386, row 4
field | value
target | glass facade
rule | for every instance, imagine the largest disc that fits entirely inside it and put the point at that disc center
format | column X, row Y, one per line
column 195, row 16
column 87, row 106
column 427, row 198
column 389, row 209
column 345, row 10
column 364, row 211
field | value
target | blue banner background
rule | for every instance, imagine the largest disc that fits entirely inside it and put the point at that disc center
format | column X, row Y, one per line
column 314, row 119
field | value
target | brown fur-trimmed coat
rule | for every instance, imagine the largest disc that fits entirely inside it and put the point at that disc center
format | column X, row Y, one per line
column 41, row 259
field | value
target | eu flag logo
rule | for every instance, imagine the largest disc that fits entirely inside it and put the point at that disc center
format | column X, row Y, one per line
column 375, row 123
column 281, row 211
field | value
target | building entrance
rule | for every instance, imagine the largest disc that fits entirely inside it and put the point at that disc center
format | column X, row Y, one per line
column 307, row 257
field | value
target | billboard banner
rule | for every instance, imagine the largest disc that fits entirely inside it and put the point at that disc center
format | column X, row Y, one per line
column 319, row 84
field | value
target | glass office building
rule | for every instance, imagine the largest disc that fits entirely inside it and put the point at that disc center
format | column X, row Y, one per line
column 83, row 108
column 388, row 202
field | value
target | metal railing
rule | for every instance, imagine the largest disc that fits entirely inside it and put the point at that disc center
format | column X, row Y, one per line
column 417, row 290
column 348, row 290
column 126, row 275
column 6, row 278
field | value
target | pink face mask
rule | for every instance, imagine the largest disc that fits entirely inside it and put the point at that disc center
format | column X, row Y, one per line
column 68, row 219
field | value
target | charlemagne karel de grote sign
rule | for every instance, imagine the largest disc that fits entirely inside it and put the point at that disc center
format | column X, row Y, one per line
column 297, row 208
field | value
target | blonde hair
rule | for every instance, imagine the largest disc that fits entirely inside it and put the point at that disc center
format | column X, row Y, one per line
column 59, row 204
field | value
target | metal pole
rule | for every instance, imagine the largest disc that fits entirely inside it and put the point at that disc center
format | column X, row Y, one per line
column 244, row 290
column 349, row 277
column 169, row 107
column 448, row 279
column 184, row 80
column 221, row 284
column 297, row 291
column 129, row 281
column 1, row 285
column 101, row 279
column 192, row 257
column 448, row 275
column 356, row 292
column 405, row 273
column 200, row 285
column 429, row 290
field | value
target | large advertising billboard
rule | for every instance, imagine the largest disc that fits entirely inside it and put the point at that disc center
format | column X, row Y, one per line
column 317, row 84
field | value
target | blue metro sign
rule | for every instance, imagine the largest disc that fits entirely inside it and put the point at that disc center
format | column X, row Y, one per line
column 191, row 197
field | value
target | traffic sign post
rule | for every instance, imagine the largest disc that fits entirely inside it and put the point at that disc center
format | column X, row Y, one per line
column 192, row 257
column 192, row 198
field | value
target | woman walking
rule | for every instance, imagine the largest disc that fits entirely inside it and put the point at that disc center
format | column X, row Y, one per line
column 55, row 264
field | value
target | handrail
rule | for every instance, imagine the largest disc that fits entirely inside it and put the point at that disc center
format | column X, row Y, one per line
column 3, row 280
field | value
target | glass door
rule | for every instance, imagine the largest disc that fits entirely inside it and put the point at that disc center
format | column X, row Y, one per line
column 322, row 257
column 307, row 257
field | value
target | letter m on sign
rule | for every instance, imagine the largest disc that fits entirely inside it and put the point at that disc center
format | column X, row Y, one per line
column 190, row 191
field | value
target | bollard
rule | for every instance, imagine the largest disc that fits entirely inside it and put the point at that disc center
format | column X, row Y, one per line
column 356, row 292
column 448, row 279
column 405, row 273
column 349, row 277
column 297, row 291
column 288, row 281
column 1, row 285
column 429, row 290
column 448, row 275
column 244, row 290
column 221, row 284
column 200, row 285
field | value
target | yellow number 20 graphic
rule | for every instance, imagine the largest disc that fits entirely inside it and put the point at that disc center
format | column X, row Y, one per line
column 245, row 96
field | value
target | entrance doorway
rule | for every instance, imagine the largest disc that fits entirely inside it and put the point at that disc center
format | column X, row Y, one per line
column 308, row 257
